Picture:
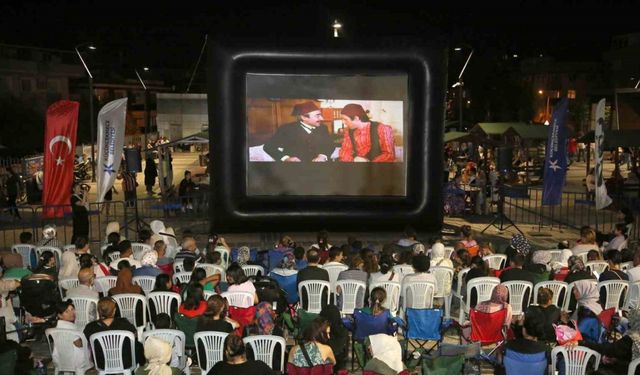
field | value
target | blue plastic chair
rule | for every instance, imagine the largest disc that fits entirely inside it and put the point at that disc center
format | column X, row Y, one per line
column 423, row 325
column 288, row 284
column 525, row 364
column 275, row 257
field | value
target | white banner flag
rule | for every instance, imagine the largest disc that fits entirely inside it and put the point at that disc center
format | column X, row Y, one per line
column 111, row 124
column 602, row 198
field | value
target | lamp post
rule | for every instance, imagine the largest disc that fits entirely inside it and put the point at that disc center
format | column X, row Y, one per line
column 459, row 84
column 91, row 122
column 147, row 117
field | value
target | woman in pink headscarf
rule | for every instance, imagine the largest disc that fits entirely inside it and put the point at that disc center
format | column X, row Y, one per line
column 497, row 302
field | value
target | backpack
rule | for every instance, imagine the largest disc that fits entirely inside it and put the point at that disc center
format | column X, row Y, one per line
column 268, row 290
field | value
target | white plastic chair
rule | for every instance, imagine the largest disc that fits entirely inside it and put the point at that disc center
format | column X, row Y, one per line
column 448, row 251
column 239, row 299
column 56, row 252
column 626, row 266
column 176, row 339
column 112, row 345
column 614, row 289
column 66, row 284
column 557, row 287
column 556, row 255
column 63, row 341
column 632, row 366
column 567, row 299
column 623, row 245
column 403, row 270
column 213, row 344
column 210, row 269
column 352, row 295
column 518, row 289
column 128, row 303
column 633, row 297
column 393, row 289
column 224, row 256
column 178, row 265
column 314, row 290
column 496, row 261
column 147, row 283
column 263, row 348
column 86, row 310
column 252, row 270
column 139, row 249
column 597, row 266
column 208, row 293
column 113, row 256
column 66, row 248
column 576, row 359
column 418, row 294
column 104, row 283
column 483, row 287
column 334, row 271
column 444, row 280
column 25, row 252
column 182, row 277
column 583, row 257
column 162, row 302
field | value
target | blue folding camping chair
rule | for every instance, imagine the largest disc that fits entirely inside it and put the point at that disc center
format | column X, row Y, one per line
column 422, row 326
column 525, row 364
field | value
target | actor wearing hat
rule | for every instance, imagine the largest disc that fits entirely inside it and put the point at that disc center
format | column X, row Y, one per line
column 365, row 140
column 304, row 140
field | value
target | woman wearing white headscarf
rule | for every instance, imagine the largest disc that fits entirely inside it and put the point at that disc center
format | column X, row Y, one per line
column 386, row 355
column 437, row 256
column 148, row 265
column 158, row 354
column 70, row 267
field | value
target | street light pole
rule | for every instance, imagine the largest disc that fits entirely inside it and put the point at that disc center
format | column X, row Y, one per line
column 460, row 85
column 91, row 121
column 147, row 117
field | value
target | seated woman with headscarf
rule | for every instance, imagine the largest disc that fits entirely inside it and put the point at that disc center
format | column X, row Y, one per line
column 498, row 302
column 70, row 267
column 539, row 265
column 518, row 245
column 618, row 354
column 386, row 356
column 588, row 309
column 124, row 283
column 148, row 262
column 158, row 353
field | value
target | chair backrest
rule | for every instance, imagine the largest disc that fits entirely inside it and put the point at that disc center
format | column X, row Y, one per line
column 518, row 290
column 139, row 249
column 63, row 340
column 633, row 365
column 418, row 294
column 224, row 256
column 66, row 248
column 263, row 347
column 423, row 324
column 86, row 310
column 181, row 277
column 626, row 266
column 597, row 266
column 403, row 270
column 334, row 270
column 556, row 255
column 525, row 363
column 56, row 252
column 174, row 337
column 66, row 284
column 314, row 290
column 239, row 299
column 352, row 292
column 444, row 278
column 393, row 289
column 25, row 251
column 163, row 302
column 208, row 293
column 461, row 275
column 487, row 327
column 128, row 303
column 104, row 283
column 615, row 290
column 178, row 265
column 633, row 296
column 483, row 287
column 113, row 256
column 368, row 324
column 567, row 299
column 583, row 257
column 575, row 360
column 252, row 270
column 210, row 269
column 557, row 287
column 112, row 345
column 213, row 344
column 496, row 261
column 147, row 283
column 448, row 250
column 288, row 284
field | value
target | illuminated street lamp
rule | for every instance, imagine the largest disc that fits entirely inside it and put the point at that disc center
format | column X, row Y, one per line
column 147, row 117
column 337, row 26
column 459, row 84
column 91, row 47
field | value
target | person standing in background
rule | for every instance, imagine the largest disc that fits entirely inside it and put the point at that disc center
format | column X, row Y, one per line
column 150, row 173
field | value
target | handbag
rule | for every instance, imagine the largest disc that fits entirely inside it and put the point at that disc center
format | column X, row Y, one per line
column 566, row 334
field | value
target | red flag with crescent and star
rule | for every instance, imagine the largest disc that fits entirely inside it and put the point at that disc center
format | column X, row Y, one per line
column 59, row 154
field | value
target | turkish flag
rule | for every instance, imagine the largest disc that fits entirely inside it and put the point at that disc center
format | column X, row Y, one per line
column 59, row 154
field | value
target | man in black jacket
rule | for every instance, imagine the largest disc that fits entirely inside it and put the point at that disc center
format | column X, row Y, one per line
column 304, row 140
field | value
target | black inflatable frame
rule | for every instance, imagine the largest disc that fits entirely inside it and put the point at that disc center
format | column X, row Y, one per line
column 232, row 210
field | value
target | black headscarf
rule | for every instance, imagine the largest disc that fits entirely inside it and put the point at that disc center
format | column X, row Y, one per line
column 339, row 338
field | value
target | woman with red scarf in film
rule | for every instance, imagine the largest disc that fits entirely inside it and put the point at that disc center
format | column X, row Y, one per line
column 365, row 140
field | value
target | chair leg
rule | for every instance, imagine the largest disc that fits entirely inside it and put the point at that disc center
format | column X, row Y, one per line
column 447, row 306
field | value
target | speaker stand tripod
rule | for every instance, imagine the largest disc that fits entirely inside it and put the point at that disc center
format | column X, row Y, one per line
column 139, row 222
column 501, row 221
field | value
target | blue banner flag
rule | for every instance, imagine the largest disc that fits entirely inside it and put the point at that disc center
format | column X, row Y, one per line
column 555, row 167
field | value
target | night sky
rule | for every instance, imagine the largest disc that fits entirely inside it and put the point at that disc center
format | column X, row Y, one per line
column 148, row 34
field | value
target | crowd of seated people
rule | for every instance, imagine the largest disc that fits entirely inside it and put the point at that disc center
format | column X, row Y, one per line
column 323, row 341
